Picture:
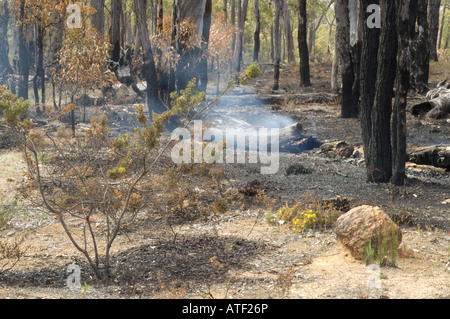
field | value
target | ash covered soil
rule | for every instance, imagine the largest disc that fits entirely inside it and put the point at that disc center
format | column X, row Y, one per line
column 239, row 254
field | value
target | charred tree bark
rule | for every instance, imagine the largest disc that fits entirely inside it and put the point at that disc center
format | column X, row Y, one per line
column 203, row 66
column 355, row 44
column 175, row 27
column 398, row 121
column 40, row 72
column 380, row 148
column 116, row 8
column 277, row 44
column 24, row 59
column 242, row 14
column 433, row 23
column 369, row 66
column 159, row 16
column 343, row 38
column 5, row 66
column 413, row 7
column 420, row 66
column 305, row 75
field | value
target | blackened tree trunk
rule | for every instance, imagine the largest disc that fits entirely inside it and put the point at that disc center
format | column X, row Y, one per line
column 24, row 59
column 175, row 27
column 5, row 66
column 343, row 38
column 257, row 32
column 433, row 23
column 116, row 8
column 413, row 6
column 380, row 148
column 203, row 67
column 40, row 73
column 277, row 44
column 149, row 70
column 398, row 122
column 420, row 66
column 305, row 74
column 368, row 75
column 98, row 18
column 159, row 15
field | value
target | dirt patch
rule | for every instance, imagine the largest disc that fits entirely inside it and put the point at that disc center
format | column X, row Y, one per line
column 237, row 256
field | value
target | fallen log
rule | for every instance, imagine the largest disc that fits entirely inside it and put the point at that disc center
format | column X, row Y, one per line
column 441, row 107
column 430, row 155
column 437, row 105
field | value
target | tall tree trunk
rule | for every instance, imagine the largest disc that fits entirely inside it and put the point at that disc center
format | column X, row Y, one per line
column 233, row 40
column 5, row 66
column 123, row 26
column 433, row 22
column 257, row 32
column 238, row 43
column 369, row 66
column 175, row 26
column 305, row 75
column 277, row 44
column 242, row 6
column 24, row 59
column 380, row 148
column 343, row 39
column 203, row 67
column 335, row 67
column 312, row 43
column 421, row 51
column 398, row 122
column 288, row 33
column 153, row 102
column 40, row 73
column 116, row 8
column 98, row 18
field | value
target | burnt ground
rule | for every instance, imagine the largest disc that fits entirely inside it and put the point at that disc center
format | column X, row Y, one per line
column 238, row 254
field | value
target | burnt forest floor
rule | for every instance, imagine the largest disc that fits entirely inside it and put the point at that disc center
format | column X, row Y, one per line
column 239, row 254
